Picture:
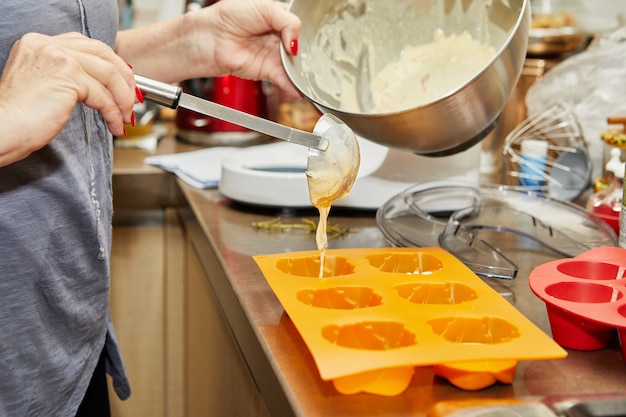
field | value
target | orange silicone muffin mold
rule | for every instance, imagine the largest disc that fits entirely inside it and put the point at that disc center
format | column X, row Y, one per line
column 379, row 312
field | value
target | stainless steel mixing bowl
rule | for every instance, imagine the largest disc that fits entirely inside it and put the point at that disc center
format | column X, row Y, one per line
column 376, row 35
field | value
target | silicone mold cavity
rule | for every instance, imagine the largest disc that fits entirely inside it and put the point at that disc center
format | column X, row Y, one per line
column 583, row 292
column 370, row 335
column 342, row 298
column 309, row 266
column 406, row 263
column 590, row 270
column 383, row 311
column 436, row 293
column 484, row 330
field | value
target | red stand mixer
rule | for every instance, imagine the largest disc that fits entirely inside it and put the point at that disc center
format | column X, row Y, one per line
column 228, row 90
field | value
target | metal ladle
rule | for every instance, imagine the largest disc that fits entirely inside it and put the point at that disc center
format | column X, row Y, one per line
column 332, row 173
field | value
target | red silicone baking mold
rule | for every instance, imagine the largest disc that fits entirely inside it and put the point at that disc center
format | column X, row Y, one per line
column 585, row 297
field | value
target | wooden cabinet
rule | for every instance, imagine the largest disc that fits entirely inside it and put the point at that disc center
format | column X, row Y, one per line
column 218, row 380
column 137, row 308
column 179, row 351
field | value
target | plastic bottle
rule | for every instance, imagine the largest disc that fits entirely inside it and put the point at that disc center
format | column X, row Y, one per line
column 532, row 170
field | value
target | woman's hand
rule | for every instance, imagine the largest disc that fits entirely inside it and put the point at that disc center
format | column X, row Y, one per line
column 240, row 37
column 245, row 36
column 43, row 80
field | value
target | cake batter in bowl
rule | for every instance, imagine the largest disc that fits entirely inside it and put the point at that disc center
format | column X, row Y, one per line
column 467, row 55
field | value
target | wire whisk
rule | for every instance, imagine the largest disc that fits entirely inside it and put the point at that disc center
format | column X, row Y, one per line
column 547, row 154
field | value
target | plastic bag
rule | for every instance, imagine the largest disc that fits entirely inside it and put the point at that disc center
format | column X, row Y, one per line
column 592, row 84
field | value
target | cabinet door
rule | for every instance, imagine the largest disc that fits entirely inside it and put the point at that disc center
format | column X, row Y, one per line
column 218, row 381
column 137, row 309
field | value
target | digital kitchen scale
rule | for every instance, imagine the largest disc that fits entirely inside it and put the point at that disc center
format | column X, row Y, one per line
column 274, row 174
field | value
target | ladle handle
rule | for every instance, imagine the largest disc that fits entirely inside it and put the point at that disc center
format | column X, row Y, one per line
column 171, row 96
column 160, row 93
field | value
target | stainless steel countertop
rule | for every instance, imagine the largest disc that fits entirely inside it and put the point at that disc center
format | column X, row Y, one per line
column 271, row 344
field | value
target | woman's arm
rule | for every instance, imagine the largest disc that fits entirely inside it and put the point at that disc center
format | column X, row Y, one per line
column 45, row 76
column 240, row 37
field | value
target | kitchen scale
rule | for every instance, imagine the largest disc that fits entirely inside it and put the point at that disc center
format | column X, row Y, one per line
column 273, row 175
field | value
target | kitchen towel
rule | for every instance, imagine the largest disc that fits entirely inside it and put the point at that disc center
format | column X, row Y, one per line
column 200, row 169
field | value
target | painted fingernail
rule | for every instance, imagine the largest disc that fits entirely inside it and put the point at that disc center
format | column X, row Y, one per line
column 139, row 94
column 125, row 132
column 132, row 119
column 129, row 66
column 293, row 46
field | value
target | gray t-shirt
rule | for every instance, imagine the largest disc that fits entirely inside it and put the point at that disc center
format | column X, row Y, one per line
column 55, row 238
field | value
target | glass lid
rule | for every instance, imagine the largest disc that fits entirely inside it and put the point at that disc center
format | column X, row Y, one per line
column 484, row 227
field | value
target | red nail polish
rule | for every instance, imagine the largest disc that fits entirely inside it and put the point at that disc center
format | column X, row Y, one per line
column 139, row 94
column 132, row 119
column 293, row 46
column 129, row 66
column 125, row 132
